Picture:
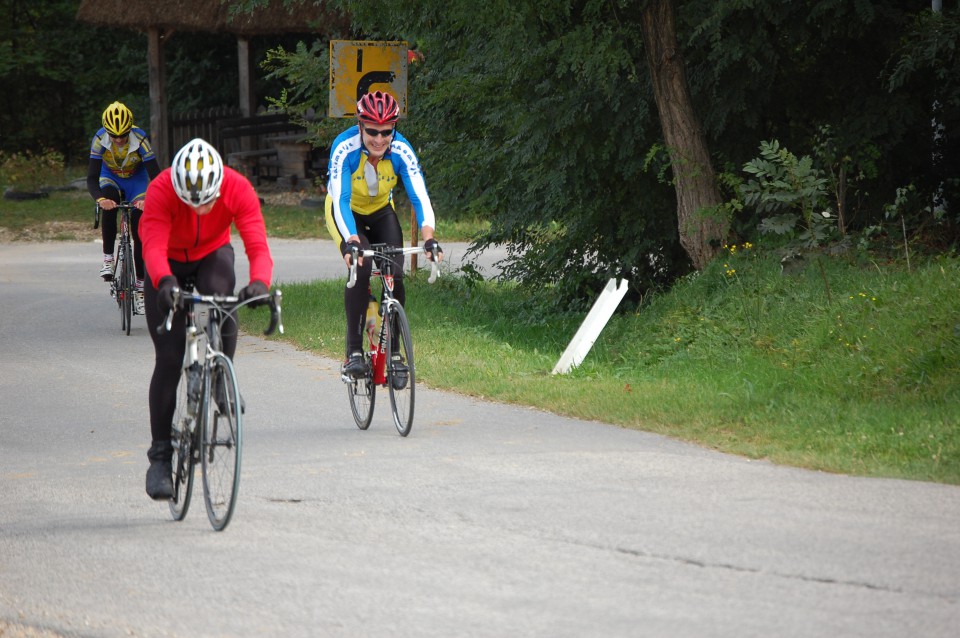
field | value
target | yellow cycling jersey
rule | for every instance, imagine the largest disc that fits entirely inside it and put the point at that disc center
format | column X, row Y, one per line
column 122, row 160
column 372, row 186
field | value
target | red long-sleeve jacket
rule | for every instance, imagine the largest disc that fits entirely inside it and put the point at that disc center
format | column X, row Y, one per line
column 170, row 229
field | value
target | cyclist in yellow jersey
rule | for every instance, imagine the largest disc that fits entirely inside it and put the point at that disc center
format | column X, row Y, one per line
column 122, row 162
column 366, row 163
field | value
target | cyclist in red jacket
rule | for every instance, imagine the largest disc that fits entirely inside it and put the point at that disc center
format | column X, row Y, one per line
column 185, row 230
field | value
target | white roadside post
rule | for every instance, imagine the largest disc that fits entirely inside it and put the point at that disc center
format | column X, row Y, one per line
column 591, row 327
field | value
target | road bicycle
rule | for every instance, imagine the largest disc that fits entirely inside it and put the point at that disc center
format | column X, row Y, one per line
column 389, row 358
column 124, row 281
column 208, row 419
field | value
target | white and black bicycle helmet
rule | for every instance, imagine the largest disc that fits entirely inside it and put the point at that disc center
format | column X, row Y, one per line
column 197, row 173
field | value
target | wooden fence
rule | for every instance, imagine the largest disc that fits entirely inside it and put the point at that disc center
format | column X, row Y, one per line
column 265, row 146
column 204, row 123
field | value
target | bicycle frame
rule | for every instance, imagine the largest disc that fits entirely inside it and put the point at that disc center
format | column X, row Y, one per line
column 383, row 269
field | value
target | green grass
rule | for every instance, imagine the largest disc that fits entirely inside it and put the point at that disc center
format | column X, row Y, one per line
column 68, row 215
column 846, row 365
column 852, row 369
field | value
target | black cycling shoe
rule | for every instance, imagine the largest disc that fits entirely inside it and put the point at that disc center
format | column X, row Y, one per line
column 355, row 367
column 160, row 481
column 159, row 476
column 401, row 373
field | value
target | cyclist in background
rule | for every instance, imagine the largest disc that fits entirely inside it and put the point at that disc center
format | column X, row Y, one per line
column 185, row 228
column 122, row 162
column 366, row 162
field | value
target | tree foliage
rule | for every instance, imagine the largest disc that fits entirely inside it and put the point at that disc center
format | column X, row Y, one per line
column 540, row 116
column 53, row 73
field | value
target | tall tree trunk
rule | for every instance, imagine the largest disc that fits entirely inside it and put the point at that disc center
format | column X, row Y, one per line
column 694, row 178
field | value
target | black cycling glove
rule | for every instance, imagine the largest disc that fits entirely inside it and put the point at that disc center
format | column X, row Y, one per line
column 349, row 246
column 429, row 246
column 165, row 300
column 255, row 288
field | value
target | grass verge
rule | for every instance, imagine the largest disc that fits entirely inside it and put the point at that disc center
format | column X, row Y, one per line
column 851, row 368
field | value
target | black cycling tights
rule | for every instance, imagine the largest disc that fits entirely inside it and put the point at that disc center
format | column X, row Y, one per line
column 382, row 227
column 108, row 229
column 213, row 274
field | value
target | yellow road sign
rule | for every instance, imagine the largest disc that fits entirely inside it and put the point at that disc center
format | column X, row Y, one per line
column 360, row 67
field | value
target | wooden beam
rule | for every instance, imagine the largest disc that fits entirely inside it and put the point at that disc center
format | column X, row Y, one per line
column 159, row 128
column 248, row 98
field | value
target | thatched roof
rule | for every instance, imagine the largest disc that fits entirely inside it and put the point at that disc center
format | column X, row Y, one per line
column 208, row 16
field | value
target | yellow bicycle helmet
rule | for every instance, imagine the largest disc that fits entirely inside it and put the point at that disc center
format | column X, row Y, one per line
column 117, row 119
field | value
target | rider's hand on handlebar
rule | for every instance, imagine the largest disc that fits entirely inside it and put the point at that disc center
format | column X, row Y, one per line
column 107, row 204
column 348, row 249
column 138, row 204
column 165, row 294
column 255, row 288
column 429, row 246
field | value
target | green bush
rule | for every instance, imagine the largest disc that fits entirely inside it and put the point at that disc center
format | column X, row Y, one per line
column 26, row 172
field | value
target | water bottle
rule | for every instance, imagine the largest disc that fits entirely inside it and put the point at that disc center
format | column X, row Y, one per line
column 373, row 313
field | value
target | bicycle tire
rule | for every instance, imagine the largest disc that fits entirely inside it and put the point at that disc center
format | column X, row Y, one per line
column 118, row 286
column 127, row 278
column 185, row 443
column 363, row 396
column 222, row 441
column 402, row 389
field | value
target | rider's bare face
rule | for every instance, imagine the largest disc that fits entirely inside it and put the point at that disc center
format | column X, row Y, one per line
column 377, row 138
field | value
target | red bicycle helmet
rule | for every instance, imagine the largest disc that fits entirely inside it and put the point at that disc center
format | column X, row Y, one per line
column 378, row 108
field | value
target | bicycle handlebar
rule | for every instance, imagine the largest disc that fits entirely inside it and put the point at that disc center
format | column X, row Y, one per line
column 388, row 251
column 97, row 210
column 228, row 304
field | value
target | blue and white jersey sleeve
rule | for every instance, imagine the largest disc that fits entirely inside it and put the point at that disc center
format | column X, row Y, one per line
column 407, row 166
column 343, row 162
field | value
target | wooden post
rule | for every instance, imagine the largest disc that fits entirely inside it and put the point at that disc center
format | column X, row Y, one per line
column 159, row 130
column 248, row 98
column 414, row 238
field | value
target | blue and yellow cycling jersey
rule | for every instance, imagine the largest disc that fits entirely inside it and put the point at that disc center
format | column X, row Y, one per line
column 357, row 187
column 125, row 160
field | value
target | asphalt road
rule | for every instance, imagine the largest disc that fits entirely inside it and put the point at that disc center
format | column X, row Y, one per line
column 488, row 520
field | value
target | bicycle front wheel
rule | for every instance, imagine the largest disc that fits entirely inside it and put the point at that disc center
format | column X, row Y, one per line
column 400, row 372
column 221, row 441
column 185, row 443
column 363, row 394
column 127, row 279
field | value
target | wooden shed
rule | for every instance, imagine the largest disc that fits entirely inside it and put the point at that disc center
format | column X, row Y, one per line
column 160, row 20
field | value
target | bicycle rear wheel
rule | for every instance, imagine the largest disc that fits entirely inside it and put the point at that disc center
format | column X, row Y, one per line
column 221, row 442
column 363, row 395
column 185, row 443
column 400, row 372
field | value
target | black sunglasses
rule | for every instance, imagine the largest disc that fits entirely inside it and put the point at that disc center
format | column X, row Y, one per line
column 372, row 132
